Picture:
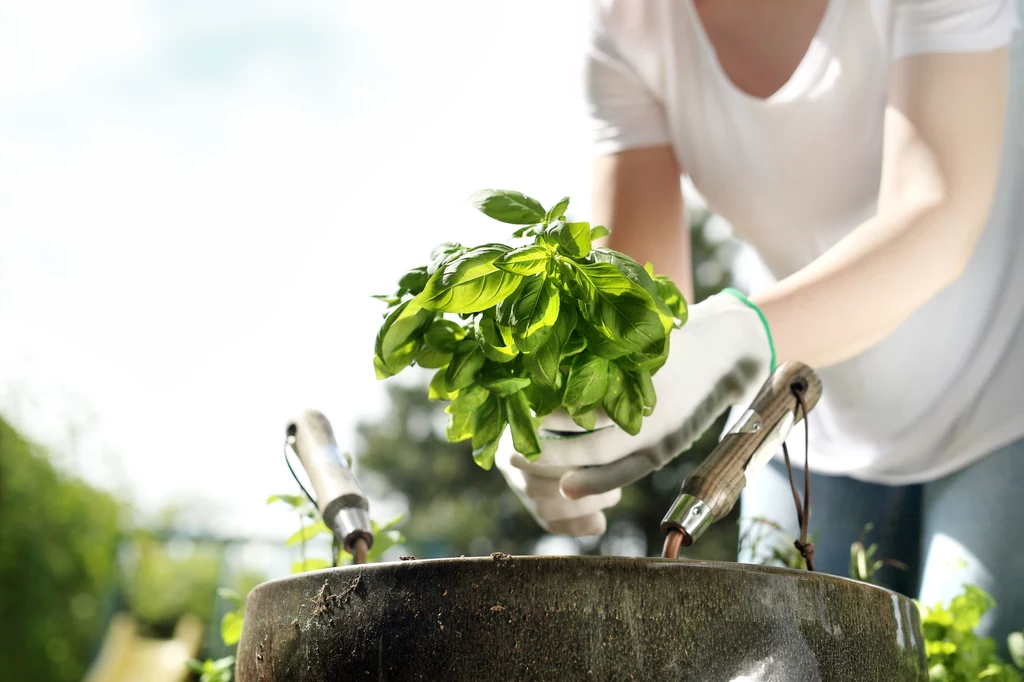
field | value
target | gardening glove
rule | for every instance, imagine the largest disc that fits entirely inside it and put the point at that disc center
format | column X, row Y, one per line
column 721, row 357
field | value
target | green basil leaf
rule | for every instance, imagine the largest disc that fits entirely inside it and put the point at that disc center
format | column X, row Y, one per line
column 629, row 267
column 505, row 386
column 508, row 206
column 397, row 340
column 545, row 399
column 484, row 454
column 527, row 231
column 503, row 311
column 467, row 360
column 488, row 421
column 524, row 434
column 428, row 358
column 578, row 287
column 557, row 211
column 543, row 363
column 600, row 344
column 650, row 361
column 468, row 399
column 616, row 381
column 625, row 405
column 572, row 239
column 439, row 387
column 599, row 231
column 415, row 279
column 459, row 427
column 390, row 299
column 621, row 311
column 442, row 254
column 446, row 249
column 673, row 298
column 576, row 344
column 585, row 419
column 650, row 398
column 380, row 370
column 488, row 424
column 495, row 339
column 442, row 335
column 527, row 260
column 405, row 355
column 534, row 314
column 588, row 380
column 470, row 283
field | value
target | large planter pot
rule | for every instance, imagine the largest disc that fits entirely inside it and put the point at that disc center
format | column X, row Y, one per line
column 576, row 618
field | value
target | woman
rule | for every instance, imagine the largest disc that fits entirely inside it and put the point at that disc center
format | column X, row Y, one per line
column 859, row 146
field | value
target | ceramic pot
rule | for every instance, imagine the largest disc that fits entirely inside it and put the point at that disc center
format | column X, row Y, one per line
column 576, row 618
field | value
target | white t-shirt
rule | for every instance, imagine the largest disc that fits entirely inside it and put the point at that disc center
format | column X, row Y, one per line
column 797, row 171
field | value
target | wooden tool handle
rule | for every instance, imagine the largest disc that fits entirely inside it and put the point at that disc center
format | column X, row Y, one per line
column 719, row 479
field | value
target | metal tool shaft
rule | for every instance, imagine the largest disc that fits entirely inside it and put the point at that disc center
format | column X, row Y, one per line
column 341, row 502
column 710, row 491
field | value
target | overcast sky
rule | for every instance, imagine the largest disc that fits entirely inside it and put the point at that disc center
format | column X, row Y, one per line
column 198, row 198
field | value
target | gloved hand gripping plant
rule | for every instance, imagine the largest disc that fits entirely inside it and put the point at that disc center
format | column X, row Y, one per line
column 552, row 336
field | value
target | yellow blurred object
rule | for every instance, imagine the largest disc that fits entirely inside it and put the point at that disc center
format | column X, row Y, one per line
column 128, row 657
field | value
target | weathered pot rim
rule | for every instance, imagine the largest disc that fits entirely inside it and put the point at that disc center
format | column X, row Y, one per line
column 557, row 617
column 688, row 564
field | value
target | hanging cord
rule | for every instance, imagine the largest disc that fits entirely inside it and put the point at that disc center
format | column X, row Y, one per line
column 803, row 512
column 288, row 461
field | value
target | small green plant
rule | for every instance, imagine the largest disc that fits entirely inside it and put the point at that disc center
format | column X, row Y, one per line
column 310, row 525
column 231, row 623
column 220, row 670
column 385, row 536
column 863, row 564
column 770, row 544
column 551, row 322
column 956, row 653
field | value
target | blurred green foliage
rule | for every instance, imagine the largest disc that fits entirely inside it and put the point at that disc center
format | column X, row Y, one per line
column 955, row 653
column 67, row 563
column 165, row 580
column 58, row 547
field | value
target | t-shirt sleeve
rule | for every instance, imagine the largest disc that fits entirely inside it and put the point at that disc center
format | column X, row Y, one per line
column 623, row 112
column 929, row 26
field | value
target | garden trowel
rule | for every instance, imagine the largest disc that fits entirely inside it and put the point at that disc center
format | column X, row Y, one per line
column 339, row 498
column 710, row 491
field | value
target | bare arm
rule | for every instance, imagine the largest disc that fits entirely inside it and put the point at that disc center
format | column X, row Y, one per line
column 943, row 136
column 637, row 196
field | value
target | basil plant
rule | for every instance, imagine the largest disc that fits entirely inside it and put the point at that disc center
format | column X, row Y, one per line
column 520, row 329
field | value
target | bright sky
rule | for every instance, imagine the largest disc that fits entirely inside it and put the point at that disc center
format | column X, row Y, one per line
column 198, row 198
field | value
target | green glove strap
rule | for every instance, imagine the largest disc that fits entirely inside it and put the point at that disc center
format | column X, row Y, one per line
column 767, row 330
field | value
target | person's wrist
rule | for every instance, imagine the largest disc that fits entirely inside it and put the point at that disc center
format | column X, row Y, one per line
column 760, row 315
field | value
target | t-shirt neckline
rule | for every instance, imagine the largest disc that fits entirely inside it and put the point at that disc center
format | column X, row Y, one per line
column 799, row 80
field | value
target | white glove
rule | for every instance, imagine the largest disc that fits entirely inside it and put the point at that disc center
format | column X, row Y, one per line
column 720, row 357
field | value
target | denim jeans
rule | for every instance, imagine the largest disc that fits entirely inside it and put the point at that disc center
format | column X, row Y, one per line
column 966, row 528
